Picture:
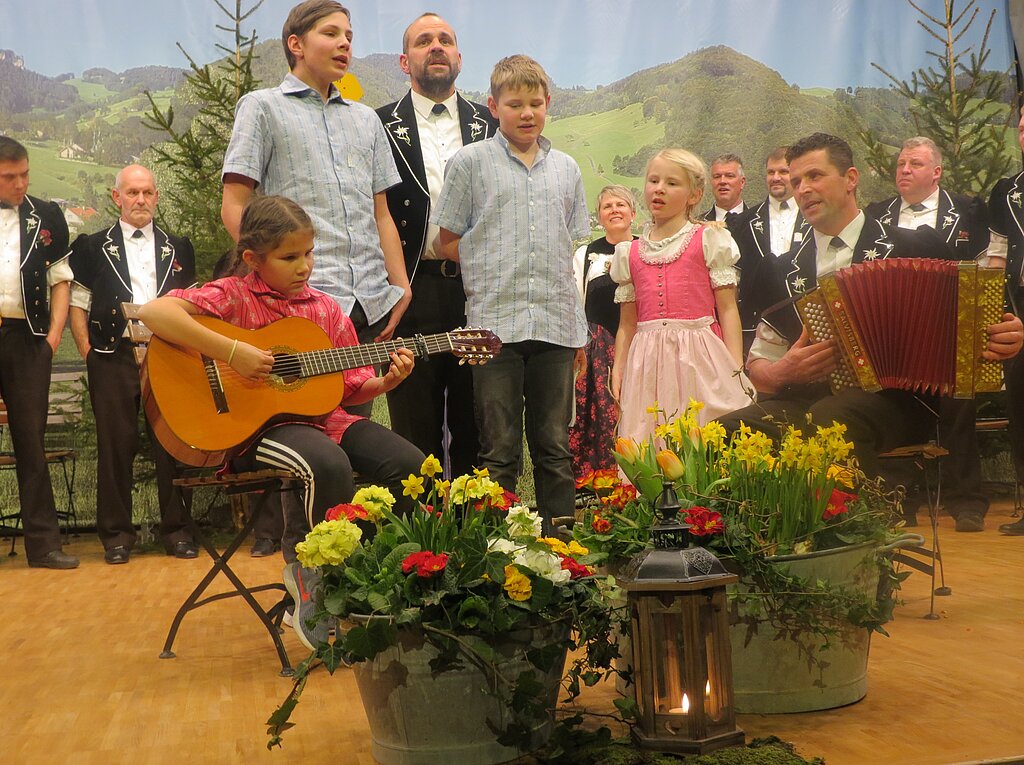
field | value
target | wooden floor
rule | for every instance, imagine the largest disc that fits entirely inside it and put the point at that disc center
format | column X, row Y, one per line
column 82, row 683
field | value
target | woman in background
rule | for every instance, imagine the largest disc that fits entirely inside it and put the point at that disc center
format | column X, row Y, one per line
column 592, row 432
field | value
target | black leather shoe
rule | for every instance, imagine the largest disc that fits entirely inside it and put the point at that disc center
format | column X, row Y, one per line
column 263, row 547
column 970, row 522
column 184, row 549
column 116, row 555
column 54, row 559
column 1013, row 529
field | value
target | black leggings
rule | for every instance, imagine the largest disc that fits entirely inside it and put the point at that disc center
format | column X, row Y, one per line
column 326, row 468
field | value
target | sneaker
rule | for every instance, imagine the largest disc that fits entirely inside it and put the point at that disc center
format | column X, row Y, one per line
column 1013, row 529
column 970, row 522
column 301, row 584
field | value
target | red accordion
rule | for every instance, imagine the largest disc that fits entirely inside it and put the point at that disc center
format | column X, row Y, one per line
column 913, row 324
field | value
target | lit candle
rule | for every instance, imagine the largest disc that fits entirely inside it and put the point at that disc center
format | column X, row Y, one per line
column 684, row 709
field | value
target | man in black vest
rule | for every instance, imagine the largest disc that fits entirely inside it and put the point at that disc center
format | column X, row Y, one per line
column 788, row 371
column 34, row 289
column 426, row 127
column 132, row 261
column 962, row 224
column 727, row 182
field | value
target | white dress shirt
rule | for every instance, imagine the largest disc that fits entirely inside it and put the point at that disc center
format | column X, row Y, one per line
column 781, row 223
column 440, row 138
column 924, row 217
column 11, row 304
column 140, row 255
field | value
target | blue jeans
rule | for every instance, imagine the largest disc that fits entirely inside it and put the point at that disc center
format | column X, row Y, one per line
column 539, row 376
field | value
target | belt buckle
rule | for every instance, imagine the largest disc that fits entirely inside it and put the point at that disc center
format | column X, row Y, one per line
column 444, row 269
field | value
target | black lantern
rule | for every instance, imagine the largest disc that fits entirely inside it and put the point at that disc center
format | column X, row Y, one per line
column 682, row 659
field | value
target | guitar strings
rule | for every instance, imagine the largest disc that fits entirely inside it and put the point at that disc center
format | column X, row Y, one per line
column 324, row 360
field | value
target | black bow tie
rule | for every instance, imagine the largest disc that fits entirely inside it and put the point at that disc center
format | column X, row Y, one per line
column 917, row 207
column 438, row 109
column 137, row 234
column 5, row 206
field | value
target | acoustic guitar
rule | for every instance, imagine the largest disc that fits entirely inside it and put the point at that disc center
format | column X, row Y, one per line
column 201, row 410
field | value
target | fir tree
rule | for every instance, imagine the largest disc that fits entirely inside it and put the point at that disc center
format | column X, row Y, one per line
column 192, row 158
column 956, row 102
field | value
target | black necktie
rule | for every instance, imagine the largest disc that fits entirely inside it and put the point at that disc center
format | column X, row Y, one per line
column 784, row 204
column 837, row 244
column 138, row 234
column 917, row 207
column 438, row 109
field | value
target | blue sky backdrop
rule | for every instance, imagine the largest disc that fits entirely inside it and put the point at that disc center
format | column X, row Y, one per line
column 812, row 43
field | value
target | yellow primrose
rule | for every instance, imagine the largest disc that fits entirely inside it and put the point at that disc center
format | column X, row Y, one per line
column 517, row 584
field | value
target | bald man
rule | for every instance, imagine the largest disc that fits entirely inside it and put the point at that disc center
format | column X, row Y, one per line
column 132, row 261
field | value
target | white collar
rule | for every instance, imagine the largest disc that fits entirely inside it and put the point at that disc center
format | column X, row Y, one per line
column 849, row 235
column 930, row 202
column 127, row 229
column 423, row 105
column 720, row 212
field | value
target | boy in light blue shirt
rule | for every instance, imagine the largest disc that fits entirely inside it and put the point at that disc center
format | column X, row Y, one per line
column 509, row 212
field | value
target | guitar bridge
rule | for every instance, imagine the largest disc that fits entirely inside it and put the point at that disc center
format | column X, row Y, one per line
column 220, row 401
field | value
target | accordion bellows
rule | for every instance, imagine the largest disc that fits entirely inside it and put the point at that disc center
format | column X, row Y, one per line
column 914, row 324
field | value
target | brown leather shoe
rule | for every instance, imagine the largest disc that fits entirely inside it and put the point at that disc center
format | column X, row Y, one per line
column 54, row 559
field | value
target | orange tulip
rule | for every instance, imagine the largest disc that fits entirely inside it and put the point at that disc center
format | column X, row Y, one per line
column 670, row 464
column 627, row 448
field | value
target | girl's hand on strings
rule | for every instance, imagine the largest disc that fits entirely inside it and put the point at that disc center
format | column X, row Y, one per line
column 251, row 362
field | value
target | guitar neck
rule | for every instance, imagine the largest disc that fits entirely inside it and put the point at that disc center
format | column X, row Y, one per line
column 332, row 360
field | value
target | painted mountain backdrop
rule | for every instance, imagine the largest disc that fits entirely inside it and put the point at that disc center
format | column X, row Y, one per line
column 82, row 129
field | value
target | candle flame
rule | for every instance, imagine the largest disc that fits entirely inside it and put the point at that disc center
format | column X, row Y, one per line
column 707, row 688
column 685, row 704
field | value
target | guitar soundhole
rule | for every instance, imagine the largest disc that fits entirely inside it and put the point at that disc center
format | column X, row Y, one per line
column 286, row 374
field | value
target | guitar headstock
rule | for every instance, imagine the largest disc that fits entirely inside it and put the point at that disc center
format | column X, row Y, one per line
column 474, row 345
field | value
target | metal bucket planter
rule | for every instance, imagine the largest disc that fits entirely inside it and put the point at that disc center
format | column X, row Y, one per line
column 776, row 674
column 417, row 718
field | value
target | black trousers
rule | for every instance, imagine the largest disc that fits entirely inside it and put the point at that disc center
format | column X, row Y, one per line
column 115, row 392
column 433, row 407
column 25, row 363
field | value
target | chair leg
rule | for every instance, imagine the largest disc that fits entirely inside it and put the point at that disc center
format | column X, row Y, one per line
column 934, row 502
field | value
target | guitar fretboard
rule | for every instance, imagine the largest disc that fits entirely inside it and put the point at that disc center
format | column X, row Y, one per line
column 330, row 360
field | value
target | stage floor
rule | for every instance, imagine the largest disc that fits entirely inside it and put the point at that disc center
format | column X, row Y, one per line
column 82, row 682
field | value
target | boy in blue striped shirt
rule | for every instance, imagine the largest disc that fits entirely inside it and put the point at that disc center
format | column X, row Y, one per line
column 509, row 212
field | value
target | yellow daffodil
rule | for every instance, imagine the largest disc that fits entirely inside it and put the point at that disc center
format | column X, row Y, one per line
column 412, row 486
column 431, row 466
